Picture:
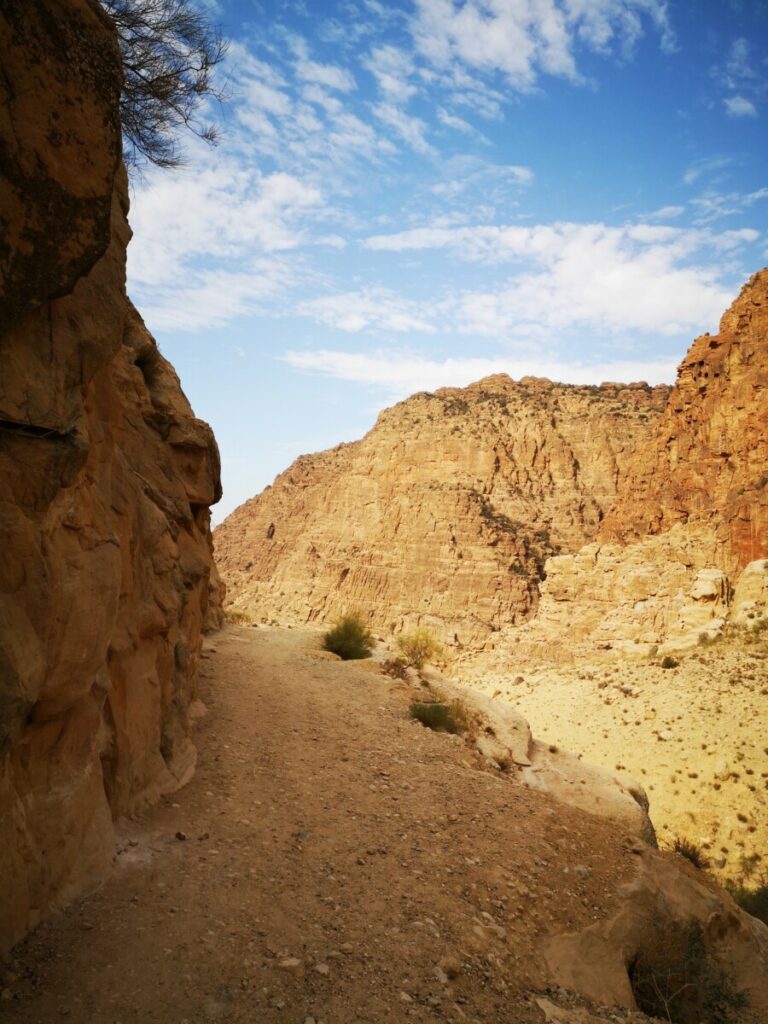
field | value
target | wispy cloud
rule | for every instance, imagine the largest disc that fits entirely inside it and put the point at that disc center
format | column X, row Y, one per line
column 411, row 130
column 369, row 309
column 393, row 69
column 739, row 106
column 712, row 205
column 639, row 277
column 742, row 76
column 398, row 373
column 526, row 41
column 706, row 167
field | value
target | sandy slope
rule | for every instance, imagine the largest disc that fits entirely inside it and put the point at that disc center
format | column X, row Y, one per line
column 332, row 861
column 694, row 736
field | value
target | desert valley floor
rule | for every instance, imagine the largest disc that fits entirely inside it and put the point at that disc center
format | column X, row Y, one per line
column 331, row 861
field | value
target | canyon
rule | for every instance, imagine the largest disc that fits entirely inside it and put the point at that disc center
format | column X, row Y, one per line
column 206, row 821
column 512, row 512
column 444, row 514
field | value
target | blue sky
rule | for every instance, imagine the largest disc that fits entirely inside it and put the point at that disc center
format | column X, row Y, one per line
column 414, row 194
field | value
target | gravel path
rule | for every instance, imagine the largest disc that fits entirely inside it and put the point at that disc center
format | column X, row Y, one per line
column 331, row 861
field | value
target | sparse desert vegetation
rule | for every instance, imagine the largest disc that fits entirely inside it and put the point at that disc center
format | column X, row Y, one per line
column 237, row 616
column 350, row 638
column 693, row 737
column 677, row 979
column 419, row 647
column 692, row 852
column 451, row 716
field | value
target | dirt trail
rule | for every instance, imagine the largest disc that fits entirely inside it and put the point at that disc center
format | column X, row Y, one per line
column 341, row 863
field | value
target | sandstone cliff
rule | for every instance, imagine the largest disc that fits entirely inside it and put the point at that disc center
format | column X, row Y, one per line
column 690, row 515
column 707, row 459
column 444, row 513
column 105, row 481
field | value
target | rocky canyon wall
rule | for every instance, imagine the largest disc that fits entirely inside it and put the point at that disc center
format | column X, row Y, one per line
column 684, row 545
column 106, row 478
column 444, row 513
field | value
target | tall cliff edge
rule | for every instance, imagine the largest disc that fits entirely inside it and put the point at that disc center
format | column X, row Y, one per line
column 684, row 547
column 105, row 481
column 707, row 458
column 444, row 513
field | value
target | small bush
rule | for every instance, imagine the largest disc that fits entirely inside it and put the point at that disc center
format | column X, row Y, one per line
column 237, row 616
column 692, row 852
column 396, row 667
column 441, row 717
column 418, row 647
column 350, row 638
column 678, row 980
column 669, row 662
column 749, row 892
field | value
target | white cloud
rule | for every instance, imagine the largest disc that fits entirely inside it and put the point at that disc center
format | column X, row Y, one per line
column 666, row 213
column 328, row 75
column 368, row 309
column 737, row 71
column 457, row 123
column 410, row 129
column 211, row 298
column 638, row 277
column 711, row 205
column 738, row 106
column 401, row 373
column 218, row 211
column 207, row 239
column 706, row 167
column 525, row 40
column 742, row 76
column 392, row 68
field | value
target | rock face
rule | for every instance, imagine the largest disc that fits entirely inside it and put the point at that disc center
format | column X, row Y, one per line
column 707, row 461
column 105, row 481
column 444, row 513
column 690, row 515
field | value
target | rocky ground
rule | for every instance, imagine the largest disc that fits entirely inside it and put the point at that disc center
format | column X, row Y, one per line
column 331, row 861
column 693, row 735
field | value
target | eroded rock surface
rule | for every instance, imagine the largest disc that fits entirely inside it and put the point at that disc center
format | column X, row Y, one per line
column 689, row 518
column 706, row 461
column 105, row 482
column 444, row 513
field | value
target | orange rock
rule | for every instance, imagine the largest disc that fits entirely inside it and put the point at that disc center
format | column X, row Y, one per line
column 707, row 459
column 444, row 513
column 105, row 482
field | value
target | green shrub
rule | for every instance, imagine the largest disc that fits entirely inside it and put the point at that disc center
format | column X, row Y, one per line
column 418, row 647
column 350, row 638
column 691, row 851
column 441, row 717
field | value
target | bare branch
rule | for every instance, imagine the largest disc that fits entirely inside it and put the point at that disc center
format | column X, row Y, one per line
column 169, row 53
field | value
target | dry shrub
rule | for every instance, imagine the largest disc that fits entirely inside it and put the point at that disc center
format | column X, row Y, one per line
column 396, row 667
column 692, row 852
column 237, row 616
column 441, row 717
column 418, row 648
column 677, row 979
column 350, row 638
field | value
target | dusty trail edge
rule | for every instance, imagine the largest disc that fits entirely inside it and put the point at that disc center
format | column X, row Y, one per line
column 331, row 861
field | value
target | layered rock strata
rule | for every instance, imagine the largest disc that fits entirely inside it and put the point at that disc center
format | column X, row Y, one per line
column 444, row 513
column 690, row 514
column 706, row 462
column 105, row 481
